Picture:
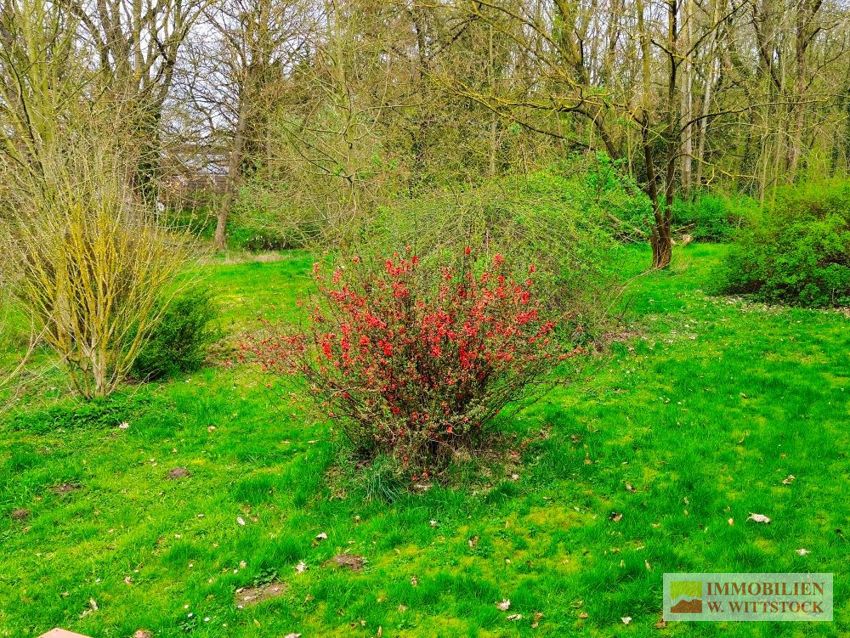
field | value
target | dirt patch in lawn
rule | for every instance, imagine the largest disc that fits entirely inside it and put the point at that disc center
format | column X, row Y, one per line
column 348, row 561
column 178, row 473
column 65, row 488
column 247, row 596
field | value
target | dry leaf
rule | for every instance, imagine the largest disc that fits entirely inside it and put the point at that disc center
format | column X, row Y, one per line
column 583, row 615
column 626, row 619
column 616, row 516
column 414, row 581
column 124, row 426
column 731, row 521
column 473, row 541
column 661, row 624
column 240, row 520
column 321, row 537
column 301, row 567
column 802, row 551
column 514, row 617
column 433, row 523
column 789, row 479
column 292, row 636
column 758, row 518
column 504, row 605
column 630, row 488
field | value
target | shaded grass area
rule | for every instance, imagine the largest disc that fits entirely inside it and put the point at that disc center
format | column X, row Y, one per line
column 703, row 415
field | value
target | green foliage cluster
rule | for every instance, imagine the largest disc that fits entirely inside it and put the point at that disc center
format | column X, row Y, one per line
column 180, row 340
column 714, row 217
column 602, row 187
column 798, row 250
column 267, row 218
column 589, row 185
column 98, row 413
column 544, row 218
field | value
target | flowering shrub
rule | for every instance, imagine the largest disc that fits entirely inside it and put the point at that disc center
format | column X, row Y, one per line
column 416, row 359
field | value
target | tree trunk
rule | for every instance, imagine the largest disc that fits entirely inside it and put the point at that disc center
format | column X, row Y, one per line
column 687, row 101
column 233, row 170
column 662, row 246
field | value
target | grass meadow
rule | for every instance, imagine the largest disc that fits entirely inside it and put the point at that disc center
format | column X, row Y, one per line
column 649, row 462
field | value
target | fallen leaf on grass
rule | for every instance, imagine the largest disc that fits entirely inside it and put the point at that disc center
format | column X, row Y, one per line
column 292, row 636
column 789, row 479
column 630, row 488
column 616, row 516
column 504, row 605
column 414, row 581
column 124, row 426
column 661, row 624
column 321, row 536
column 626, row 619
column 241, row 521
column 473, row 541
column 583, row 615
column 301, row 567
column 731, row 521
column 514, row 617
column 802, row 551
column 758, row 518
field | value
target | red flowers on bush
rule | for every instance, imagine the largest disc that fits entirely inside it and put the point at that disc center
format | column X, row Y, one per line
column 416, row 358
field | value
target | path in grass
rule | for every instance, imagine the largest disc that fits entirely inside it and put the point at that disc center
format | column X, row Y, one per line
column 695, row 423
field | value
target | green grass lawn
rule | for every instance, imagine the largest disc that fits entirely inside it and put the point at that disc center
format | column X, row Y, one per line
column 695, row 421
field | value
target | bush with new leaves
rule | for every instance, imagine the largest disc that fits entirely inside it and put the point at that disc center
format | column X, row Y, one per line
column 797, row 251
column 181, row 338
column 415, row 358
column 92, row 264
